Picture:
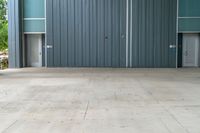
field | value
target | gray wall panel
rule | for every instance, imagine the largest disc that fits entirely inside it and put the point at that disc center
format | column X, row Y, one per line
column 173, row 53
column 64, row 33
column 71, row 33
column 115, row 33
column 77, row 40
column 122, row 13
column 135, row 27
column 108, row 32
column 50, row 60
column 86, row 33
column 154, row 30
column 85, row 30
column 56, row 33
column 92, row 33
column 14, row 34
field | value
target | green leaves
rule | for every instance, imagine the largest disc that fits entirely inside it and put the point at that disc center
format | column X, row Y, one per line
column 3, row 25
column 3, row 36
column 3, row 10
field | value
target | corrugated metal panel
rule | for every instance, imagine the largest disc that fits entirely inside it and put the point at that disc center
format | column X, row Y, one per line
column 189, row 8
column 34, row 26
column 34, row 8
column 86, row 33
column 154, row 30
column 34, row 16
column 190, row 25
column 14, row 33
column 92, row 33
column 49, row 35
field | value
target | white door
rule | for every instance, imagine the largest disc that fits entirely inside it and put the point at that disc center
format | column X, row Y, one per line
column 190, row 50
column 34, row 52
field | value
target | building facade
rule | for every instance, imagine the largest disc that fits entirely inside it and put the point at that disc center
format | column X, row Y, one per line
column 104, row 33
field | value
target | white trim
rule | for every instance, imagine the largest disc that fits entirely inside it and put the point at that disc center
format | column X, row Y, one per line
column 36, row 41
column 34, row 18
column 191, row 37
column 189, row 31
column 177, row 31
column 131, row 32
column 189, row 17
column 45, row 12
column 127, row 33
column 23, row 37
column 34, row 32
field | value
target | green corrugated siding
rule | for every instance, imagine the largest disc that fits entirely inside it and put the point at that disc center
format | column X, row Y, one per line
column 34, row 25
column 34, row 9
column 187, row 25
column 188, row 9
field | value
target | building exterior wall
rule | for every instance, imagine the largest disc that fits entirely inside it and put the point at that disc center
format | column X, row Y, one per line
column 189, row 16
column 93, row 33
column 188, row 22
column 152, row 33
column 34, row 16
column 15, row 33
column 86, row 33
column 98, row 33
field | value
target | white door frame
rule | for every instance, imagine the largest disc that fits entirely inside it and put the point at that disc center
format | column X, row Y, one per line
column 196, row 46
column 39, row 44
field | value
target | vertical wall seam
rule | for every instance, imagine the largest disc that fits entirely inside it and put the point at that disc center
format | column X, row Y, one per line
column 60, row 32
column 131, row 33
column 127, row 32
column 67, row 42
column 111, row 32
column 52, row 30
column 15, row 33
column 89, row 18
column 74, row 62
column 104, row 26
column 120, row 34
column 177, row 24
column 45, row 11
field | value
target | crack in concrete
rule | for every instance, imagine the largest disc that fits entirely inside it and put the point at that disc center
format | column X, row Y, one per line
column 9, row 126
column 166, row 127
column 86, row 110
column 158, row 102
column 186, row 130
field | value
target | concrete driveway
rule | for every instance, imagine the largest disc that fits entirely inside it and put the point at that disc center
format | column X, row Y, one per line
column 100, row 101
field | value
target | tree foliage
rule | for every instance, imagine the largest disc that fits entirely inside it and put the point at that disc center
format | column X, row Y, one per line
column 3, row 25
column 3, row 36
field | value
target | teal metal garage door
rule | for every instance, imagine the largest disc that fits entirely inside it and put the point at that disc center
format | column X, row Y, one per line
column 152, row 36
column 86, row 33
column 111, row 33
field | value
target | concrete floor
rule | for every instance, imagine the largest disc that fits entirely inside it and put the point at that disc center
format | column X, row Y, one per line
column 100, row 101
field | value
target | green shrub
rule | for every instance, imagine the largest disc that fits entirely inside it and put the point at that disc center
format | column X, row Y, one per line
column 3, row 25
column 3, row 36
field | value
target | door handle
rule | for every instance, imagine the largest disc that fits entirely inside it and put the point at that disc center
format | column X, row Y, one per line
column 49, row 46
column 172, row 46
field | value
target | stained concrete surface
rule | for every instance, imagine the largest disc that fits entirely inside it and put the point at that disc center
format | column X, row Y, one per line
column 76, row 100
